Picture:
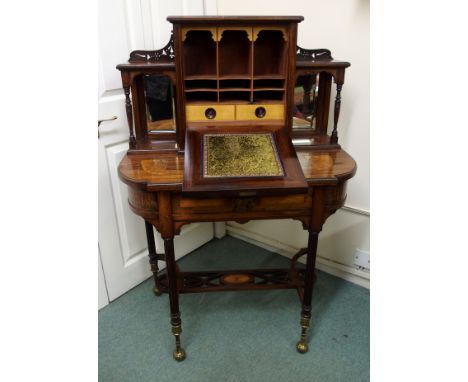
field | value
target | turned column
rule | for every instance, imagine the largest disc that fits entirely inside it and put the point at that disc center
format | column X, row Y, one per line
column 126, row 82
column 336, row 115
column 128, row 109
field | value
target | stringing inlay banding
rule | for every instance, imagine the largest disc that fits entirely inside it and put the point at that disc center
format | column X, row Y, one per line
column 240, row 155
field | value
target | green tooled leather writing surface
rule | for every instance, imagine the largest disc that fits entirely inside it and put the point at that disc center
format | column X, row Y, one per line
column 240, row 155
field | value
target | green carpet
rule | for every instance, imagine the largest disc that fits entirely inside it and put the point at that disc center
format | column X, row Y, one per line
column 236, row 336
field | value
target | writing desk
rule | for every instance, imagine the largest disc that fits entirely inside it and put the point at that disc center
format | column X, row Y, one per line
column 227, row 151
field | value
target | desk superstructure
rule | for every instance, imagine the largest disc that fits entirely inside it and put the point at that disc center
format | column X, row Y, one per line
column 228, row 122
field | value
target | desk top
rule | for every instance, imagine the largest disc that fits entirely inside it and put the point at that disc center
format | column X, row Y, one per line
column 164, row 170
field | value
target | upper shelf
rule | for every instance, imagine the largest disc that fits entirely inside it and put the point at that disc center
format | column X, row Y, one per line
column 199, row 53
column 233, row 19
column 234, row 52
column 235, row 61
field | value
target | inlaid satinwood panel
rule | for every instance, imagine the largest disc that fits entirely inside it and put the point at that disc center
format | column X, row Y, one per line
column 255, row 112
column 199, row 112
column 250, row 112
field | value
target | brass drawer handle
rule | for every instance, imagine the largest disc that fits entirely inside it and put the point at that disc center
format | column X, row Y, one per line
column 244, row 204
column 210, row 113
column 260, row 112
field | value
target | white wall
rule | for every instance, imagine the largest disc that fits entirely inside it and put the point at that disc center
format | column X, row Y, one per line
column 343, row 27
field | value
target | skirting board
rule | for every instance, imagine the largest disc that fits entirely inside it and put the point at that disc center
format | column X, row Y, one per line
column 326, row 265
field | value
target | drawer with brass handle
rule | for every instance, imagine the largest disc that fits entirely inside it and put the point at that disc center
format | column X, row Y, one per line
column 210, row 112
column 259, row 112
column 186, row 206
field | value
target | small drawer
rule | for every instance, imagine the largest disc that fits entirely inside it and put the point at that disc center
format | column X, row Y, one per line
column 259, row 112
column 184, row 206
column 207, row 113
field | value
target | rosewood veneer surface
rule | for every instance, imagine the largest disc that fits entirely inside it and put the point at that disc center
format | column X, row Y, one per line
column 164, row 170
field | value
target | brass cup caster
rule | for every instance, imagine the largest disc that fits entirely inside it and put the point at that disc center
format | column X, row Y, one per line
column 302, row 347
column 157, row 292
column 179, row 354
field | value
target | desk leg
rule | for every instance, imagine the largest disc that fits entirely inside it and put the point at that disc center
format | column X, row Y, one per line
column 153, row 256
column 179, row 352
column 302, row 346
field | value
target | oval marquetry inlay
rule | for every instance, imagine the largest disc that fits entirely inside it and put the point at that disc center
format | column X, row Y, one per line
column 237, row 278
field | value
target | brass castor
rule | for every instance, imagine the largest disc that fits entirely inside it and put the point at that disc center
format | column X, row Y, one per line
column 302, row 347
column 179, row 354
column 157, row 292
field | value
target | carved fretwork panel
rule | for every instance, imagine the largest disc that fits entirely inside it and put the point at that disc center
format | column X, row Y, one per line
column 313, row 54
column 165, row 54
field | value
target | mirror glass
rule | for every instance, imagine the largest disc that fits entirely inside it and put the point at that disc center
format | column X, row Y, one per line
column 159, row 98
column 305, row 102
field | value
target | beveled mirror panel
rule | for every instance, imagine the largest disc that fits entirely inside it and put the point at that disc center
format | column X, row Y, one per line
column 159, row 99
column 305, row 102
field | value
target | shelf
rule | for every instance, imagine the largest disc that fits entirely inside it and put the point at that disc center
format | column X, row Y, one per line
column 234, row 96
column 201, row 77
column 201, row 84
column 268, row 95
column 237, row 83
column 234, row 53
column 273, row 89
column 269, row 76
column 255, row 279
column 235, row 77
column 269, row 83
column 269, row 53
column 200, row 90
column 200, row 102
column 199, row 50
column 235, row 70
column 259, row 101
column 234, row 90
column 235, row 101
column 201, row 96
column 213, row 76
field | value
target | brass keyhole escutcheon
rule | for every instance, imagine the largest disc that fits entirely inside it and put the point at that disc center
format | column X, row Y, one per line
column 210, row 113
column 260, row 112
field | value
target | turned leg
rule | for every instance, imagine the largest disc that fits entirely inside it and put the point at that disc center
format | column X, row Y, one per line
column 302, row 346
column 179, row 352
column 153, row 256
